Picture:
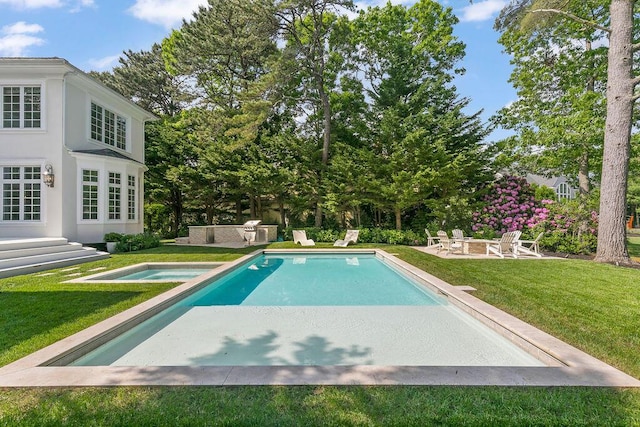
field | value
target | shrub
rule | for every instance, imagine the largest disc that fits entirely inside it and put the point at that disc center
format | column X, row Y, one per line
column 136, row 242
column 366, row 235
column 569, row 226
column 509, row 204
column 113, row 237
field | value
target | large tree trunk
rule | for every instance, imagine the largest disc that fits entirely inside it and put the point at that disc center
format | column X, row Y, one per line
column 398, row 219
column 283, row 215
column 177, row 211
column 583, row 174
column 326, row 139
column 612, row 245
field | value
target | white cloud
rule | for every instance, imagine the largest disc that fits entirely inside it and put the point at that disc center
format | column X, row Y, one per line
column 81, row 4
column 32, row 4
column 75, row 5
column 21, row 27
column 482, row 10
column 105, row 63
column 168, row 13
column 17, row 38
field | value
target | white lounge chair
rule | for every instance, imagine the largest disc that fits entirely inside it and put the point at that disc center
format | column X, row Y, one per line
column 447, row 244
column 506, row 245
column 530, row 247
column 351, row 236
column 457, row 234
column 300, row 237
column 431, row 241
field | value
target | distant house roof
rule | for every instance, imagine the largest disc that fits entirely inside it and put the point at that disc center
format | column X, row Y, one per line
column 556, row 183
column 106, row 152
column 551, row 182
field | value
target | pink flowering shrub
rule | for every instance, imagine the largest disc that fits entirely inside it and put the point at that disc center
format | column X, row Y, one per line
column 509, row 205
column 569, row 227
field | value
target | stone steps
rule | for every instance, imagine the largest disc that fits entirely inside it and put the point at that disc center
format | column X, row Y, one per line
column 24, row 256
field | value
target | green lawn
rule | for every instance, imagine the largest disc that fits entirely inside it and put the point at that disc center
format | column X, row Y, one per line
column 593, row 307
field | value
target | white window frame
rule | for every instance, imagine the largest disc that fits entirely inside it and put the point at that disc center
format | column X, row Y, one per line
column 114, row 190
column 23, row 186
column 563, row 191
column 90, row 183
column 22, row 112
column 132, row 198
column 108, row 127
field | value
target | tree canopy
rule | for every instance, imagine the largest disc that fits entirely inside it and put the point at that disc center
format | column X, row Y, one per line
column 296, row 111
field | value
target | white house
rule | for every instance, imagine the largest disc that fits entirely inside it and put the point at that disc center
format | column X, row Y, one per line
column 71, row 153
column 559, row 184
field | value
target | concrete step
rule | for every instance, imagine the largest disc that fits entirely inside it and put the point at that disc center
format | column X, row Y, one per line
column 14, row 244
column 39, row 250
column 81, row 257
column 46, row 257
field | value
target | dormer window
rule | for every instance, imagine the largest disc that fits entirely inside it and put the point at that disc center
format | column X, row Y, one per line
column 21, row 107
column 108, row 127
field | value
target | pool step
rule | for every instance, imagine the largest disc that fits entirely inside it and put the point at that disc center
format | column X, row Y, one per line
column 23, row 256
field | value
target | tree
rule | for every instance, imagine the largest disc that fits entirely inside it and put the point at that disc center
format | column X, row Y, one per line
column 559, row 114
column 422, row 145
column 620, row 94
column 306, row 26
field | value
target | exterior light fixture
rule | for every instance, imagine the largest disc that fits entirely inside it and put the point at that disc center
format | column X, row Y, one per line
column 48, row 177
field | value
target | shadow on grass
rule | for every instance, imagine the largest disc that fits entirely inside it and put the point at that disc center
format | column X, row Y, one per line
column 320, row 406
column 24, row 315
column 633, row 246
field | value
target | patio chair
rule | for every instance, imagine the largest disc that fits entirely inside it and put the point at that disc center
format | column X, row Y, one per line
column 530, row 247
column 506, row 245
column 457, row 234
column 351, row 236
column 300, row 237
column 431, row 241
column 448, row 244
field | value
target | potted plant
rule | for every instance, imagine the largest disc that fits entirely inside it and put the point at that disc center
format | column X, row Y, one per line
column 112, row 240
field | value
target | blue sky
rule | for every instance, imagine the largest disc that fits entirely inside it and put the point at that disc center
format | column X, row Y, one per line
column 92, row 34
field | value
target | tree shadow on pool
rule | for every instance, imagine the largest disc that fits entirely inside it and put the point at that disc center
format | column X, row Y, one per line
column 265, row 350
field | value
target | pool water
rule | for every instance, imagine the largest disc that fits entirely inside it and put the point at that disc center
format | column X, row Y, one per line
column 323, row 310
column 178, row 274
column 314, row 280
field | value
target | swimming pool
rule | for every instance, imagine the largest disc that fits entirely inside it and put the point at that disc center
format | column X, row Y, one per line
column 317, row 309
column 151, row 272
column 339, row 332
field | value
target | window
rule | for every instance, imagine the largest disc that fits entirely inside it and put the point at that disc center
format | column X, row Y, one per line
column 563, row 191
column 96, row 122
column 131, row 197
column 21, row 107
column 21, row 193
column 108, row 127
column 89, row 194
column 114, row 195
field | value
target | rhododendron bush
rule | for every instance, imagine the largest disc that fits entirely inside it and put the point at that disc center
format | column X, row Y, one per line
column 510, row 205
column 569, row 227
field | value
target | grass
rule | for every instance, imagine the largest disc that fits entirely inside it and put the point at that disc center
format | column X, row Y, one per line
column 591, row 306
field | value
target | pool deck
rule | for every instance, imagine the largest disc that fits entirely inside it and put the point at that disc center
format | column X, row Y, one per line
column 567, row 366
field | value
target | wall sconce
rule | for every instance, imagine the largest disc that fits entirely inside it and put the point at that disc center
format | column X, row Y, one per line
column 48, row 177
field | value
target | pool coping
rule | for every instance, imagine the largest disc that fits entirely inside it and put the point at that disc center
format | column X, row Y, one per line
column 573, row 367
column 104, row 276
